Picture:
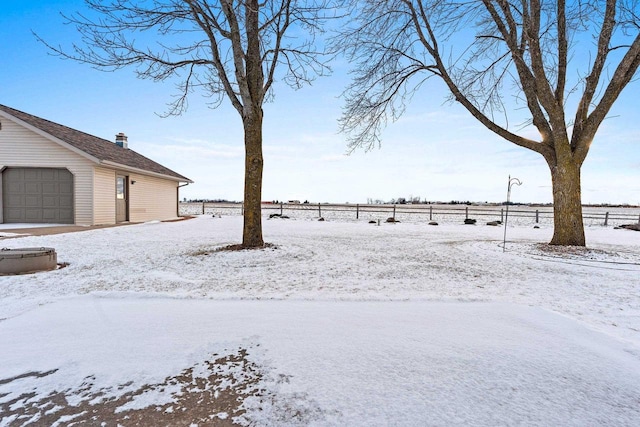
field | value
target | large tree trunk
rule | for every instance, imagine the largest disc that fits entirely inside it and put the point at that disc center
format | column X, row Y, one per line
column 252, row 231
column 568, row 229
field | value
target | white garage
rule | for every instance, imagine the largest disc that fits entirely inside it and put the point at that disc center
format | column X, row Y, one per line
column 50, row 173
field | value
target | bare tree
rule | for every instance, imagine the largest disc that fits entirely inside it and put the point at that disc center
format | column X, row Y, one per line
column 233, row 49
column 495, row 57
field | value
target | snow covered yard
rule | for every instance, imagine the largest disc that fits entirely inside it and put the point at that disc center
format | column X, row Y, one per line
column 338, row 324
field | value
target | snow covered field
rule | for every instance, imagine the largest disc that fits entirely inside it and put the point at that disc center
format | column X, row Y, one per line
column 340, row 323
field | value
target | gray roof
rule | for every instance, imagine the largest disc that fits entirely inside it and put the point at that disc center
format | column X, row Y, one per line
column 99, row 148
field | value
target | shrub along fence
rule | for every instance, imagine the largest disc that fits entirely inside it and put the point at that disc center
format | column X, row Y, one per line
column 518, row 214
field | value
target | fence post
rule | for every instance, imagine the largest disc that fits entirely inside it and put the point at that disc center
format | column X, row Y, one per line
column 394, row 211
column 242, row 209
column 319, row 211
column 430, row 213
column 501, row 215
column 202, row 208
column 537, row 216
column 606, row 219
column 357, row 211
column 638, row 219
column 280, row 209
column 466, row 212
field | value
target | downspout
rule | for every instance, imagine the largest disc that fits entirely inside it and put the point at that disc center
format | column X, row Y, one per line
column 178, row 198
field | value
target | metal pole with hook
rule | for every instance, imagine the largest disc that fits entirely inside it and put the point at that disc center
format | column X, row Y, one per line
column 512, row 181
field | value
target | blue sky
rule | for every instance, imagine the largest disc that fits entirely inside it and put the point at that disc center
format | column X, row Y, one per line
column 436, row 151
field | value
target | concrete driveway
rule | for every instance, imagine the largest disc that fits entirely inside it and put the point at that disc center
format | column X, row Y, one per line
column 13, row 231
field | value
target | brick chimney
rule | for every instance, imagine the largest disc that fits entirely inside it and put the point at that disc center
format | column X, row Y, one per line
column 121, row 140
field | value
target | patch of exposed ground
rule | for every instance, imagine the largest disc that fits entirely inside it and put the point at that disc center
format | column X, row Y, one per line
column 212, row 393
column 230, row 248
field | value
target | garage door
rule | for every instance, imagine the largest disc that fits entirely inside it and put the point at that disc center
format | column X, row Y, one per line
column 37, row 195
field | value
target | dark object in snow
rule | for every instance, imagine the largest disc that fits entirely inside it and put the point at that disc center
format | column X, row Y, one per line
column 278, row 216
column 536, row 226
column 321, row 219
column 433, row 223
column 494, row 223
column 470, row 221
column 392, row 219
column 634, row 227
column 372, row 221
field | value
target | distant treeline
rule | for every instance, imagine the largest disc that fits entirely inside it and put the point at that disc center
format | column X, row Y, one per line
column 208, row 201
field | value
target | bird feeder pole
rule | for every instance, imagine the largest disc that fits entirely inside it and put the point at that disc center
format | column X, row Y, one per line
column 512, row 181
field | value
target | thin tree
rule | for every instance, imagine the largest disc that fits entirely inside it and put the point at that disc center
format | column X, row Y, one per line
column 233, row 49
column 532, row 62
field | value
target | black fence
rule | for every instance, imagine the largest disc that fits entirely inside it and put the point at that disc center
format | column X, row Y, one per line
column 417, row 213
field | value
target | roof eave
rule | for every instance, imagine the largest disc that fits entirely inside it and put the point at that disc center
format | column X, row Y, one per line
column 144, row 172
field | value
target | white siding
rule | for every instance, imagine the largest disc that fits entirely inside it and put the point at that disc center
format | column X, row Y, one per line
column 104, row 195
column 20, row 147
column 152, row 198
